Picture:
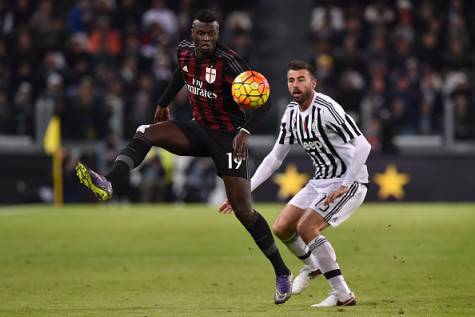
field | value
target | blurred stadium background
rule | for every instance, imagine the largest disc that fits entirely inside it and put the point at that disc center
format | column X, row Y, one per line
column 404, row 69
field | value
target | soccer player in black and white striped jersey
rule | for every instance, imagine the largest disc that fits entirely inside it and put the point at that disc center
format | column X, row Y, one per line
column 338, row 151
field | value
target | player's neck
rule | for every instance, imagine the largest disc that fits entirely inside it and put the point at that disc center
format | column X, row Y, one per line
column 305, row 104
column 201, row 55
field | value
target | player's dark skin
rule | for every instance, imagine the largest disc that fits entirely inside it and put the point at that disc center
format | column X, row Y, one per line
column 167, row 135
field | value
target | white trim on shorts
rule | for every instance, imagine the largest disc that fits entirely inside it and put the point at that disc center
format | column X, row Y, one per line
column 312, row 196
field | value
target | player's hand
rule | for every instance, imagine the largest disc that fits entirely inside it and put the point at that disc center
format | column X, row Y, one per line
column 240, row 145
column 334, row 195
column 161, row 114
column 225, row 207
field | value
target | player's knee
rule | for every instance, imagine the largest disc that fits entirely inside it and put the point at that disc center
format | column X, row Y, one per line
column 306, row 231
column 241, row 203
column 280, row 229
column 245, row 216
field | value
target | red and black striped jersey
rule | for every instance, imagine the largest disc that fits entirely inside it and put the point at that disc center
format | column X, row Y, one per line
column 208, row 81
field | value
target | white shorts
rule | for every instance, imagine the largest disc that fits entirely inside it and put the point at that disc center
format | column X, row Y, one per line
column 312, row 196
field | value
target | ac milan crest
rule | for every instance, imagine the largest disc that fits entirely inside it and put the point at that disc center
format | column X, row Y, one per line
column 210, row 75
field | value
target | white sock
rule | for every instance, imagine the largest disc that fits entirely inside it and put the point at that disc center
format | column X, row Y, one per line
column 326, row 259
column 296, row 245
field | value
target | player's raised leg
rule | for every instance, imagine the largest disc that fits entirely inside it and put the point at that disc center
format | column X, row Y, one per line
column 285, row 228
column 163, row 134
column 239, row 196
column 309, row 228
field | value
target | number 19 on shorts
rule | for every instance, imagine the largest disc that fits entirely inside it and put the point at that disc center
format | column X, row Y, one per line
column 233, row 162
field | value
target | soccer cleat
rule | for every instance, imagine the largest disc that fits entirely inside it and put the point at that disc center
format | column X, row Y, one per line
column 302, row 281
column 97, row 183
column 333, row 301
column 283, row 288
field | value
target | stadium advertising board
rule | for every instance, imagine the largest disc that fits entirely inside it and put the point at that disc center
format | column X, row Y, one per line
column 393, row 178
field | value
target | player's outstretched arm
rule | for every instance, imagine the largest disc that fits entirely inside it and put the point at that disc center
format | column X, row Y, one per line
column 269, row 164
column 161, row 114
column 176, row 83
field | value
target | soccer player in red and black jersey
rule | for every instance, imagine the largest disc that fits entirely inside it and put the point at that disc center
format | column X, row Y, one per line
column 219, row 129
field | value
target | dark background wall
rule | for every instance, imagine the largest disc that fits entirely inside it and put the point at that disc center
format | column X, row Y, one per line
column 26, row 178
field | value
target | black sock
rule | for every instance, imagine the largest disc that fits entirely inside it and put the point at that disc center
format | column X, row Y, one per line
column 129, row 158
column 260, row 231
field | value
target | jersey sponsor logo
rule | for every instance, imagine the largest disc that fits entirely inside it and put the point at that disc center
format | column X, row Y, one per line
column 210, row 75
column 196, row 89
column 312, row 145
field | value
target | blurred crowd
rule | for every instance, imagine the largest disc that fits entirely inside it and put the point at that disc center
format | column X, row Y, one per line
column 398, row 65
column 100, row 64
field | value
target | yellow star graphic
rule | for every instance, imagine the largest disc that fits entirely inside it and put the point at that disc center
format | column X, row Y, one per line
column 290, row 182
column 391, row 183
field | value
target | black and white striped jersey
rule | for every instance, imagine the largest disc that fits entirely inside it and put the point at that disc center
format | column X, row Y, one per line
column 324, row 130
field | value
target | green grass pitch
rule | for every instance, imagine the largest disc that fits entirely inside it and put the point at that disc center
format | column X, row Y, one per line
column 167, row 260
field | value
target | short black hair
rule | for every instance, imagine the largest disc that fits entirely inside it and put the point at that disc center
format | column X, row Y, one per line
column 206, row 16
column 298, row 64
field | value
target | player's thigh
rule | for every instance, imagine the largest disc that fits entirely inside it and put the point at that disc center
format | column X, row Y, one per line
column 221, row 150
column 296, row 207
column 341, row 208
column 173, row 137
column 311, row 221
column 286, row 222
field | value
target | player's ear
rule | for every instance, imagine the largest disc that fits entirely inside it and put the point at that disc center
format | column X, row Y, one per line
column 192, row 30
column 314, row 83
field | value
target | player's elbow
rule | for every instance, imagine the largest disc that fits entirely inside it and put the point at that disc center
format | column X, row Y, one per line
column 367, row 146
column 362, row 144
column 272, row 163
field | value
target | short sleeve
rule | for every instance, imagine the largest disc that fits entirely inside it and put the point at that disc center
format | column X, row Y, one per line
column 182, row 46
column 286, row 134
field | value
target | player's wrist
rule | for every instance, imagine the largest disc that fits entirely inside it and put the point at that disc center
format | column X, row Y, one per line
column 347, row 183
column 244, row 130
